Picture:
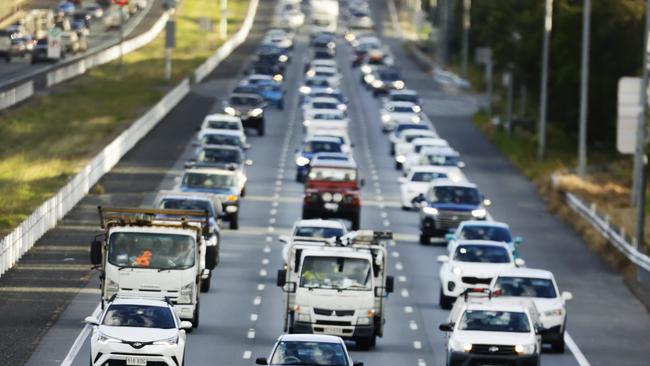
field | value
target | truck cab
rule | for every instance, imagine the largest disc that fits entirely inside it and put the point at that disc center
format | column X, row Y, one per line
column 337, row 287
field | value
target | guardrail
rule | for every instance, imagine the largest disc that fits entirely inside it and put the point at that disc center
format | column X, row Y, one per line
column 46, row 216
column 16, row 95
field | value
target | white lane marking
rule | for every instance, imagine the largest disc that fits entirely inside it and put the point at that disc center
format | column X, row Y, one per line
column 250, row 334
column 253, row 317
column 377, row 191
column 413, row 325
column 275, row 204
column 408, row 309
column 577, row 353
column 267, row 249
column 386, row 223
column 263, row 272
column 395, row 254
column 392, row 243
column 79, row 341
column 278, row 188
column 260, row 287
column 271, row 229
column 379, row 198
column 269, row 239
column 421, row 362
column 383, row 214
column 376, row 184
column 257, row 301
column 417, row 344
column 402, row 278
column 272, row 220
column 273, row 212
column 247, row 355
column 265, row 261
column 398, row 266
column 404, row 292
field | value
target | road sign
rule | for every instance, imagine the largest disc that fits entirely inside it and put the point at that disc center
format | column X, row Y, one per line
column 54, row 43
column 170, row 34
column 121, row 2
column 483, row 55
column 628, row 114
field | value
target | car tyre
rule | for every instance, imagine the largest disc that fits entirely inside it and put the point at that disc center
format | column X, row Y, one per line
column 195, row 316
column 398, row 165
column 260, row 130
column 243, row 192
column 446, row 302
column 356, row 221
column 205, row 284
column 558, row 346
column 234, row 222
column 366, row 343
column 425, row 239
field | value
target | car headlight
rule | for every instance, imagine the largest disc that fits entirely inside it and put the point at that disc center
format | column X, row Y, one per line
column 399, row 84
column 103, row 338
column 366, row 69
column 377, row 83
column 172, row 341
column 554, row 312
column 416, row 119
column 479, row 213
column 256, row 112
column 231, row 198
column 342, row 107
column 112, row 288
column 526, row 349
column 458, row 346
column 417, row 109
column 231, row 209
column 430, row 211
column 385, row 118
column 310, row 73
column 400, row 158
column 283, row 58
column 186, row 294
column 278, row 77
column 337, row 197
column 369, row 78
column 230, row 110
column 305, row 89
column 366, row 317
column 327, row 197
column 302, row 161
column 457, row 271
column 306, row 123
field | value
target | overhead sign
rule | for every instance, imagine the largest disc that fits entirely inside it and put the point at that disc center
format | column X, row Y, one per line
column 628, row 114
column 54, row 43
column 483, row 55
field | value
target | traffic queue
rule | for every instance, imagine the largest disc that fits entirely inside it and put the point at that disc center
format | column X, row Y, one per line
column 335, row 278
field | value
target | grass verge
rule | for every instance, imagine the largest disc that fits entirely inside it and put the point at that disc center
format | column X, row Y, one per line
column 48, row 139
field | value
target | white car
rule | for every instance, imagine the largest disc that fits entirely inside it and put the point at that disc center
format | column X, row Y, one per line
column 325, row 120
column 331, row 73
column 418, row 181
column 395, row 113
column 484, row 230
column 315, row 83
column 403, row 95
column 308, row 349
column 220, row 121
column 136, row 331
column 412, row 144
column 293, row 18
column 539, row 286
column 324, row 103
column 395, row 134
column 312, row 229
column 335, row 133
column 485, row 330
column 407, row 136
column 322, row 63
column 436, row 156
column 473, row 263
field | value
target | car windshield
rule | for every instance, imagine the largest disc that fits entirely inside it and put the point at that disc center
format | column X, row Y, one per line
column 336, row 273
column 309, row 353
column 151, row 250
column 459, row 195
column 208, row 181
column 495, row 321
column 440, row 159
column 215, row 139
column 410, row 126
column 244, row 101
column 476, row 253
column 427, row 176
column 140, row 316
column 526, row 287
column 322, row 146
column 324, row 105
column 328, row 116
column 223, row 125
column 186, row 204
column 400, row 109
column 325, row 73
column 227, row 156
column 333, row 174
column 246, row 89
column 318, row 232
column 387, row 75
column 317, row 82
column 404, row 98
column 410, row 138
column 485, row 232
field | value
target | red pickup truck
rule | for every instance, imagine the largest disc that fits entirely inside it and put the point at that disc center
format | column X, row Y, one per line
column 332, row 191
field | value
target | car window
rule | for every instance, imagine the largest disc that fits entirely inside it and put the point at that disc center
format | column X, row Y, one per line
column 495, row 321
column 186, row 204
column 427, row 176
column 458, row 195
column 476, row 253
column 480, row 232
column 223, row 125
column 228, row 156
column 309, row 353
column 141, row 316
column 318, row 232
column 208, row 181
column 526, row 287
column 333, row 174
column 322, row 146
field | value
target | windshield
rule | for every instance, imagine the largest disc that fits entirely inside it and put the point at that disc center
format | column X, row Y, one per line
column 526, row 287
column 404, row 98
column 151, row 250
column 317, row 82
column 459, row 195
column 410, row 138
column 208, row 181
column 410, row 126
column 309, row 353
column 400, row 109
column 324, row 105
column 441, row 159
column 141, row 316
column 186, row 204
column 318, row 232
column 476, row 232
column 228, row 156
column 427, row 176
column 481, row 254
column 495, row 321
column 387, row 75
column 221, row 140
column 223, row 125
column 244, row 101
column 336, row 273
column 328, row 116
column 333, row 174
column 322, row 146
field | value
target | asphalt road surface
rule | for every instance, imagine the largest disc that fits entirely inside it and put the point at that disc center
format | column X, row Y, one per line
column 241, row 316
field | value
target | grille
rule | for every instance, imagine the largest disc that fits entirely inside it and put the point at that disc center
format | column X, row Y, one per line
column 123, row 363
column 333, row 322
column 452, row 218
column 476, row 280
column 328, row 312
column 493, row 349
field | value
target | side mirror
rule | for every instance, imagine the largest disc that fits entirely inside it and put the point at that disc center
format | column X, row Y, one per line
column 518, row 240
column 450, row 237
column 443, row 259
column 186, row 325
column 248, row 162
column 190, row 163
column 261, row 361
column 247, row 146
column 401, row 180
column 284, row 239
column 91, row 320
column 211, row 257
column 362, row 182
column 357, row 363
column 447, row 327
column 520, row 262
column 282, row 278
column 96, row 252
column 390, row 284
column 566, row 295
column 461, row 164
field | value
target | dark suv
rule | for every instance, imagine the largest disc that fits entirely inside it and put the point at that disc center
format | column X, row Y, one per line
column 248, row 107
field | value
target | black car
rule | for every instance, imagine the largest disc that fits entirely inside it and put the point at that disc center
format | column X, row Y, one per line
column 39, row 54
column 248, row 107
column 385, row 79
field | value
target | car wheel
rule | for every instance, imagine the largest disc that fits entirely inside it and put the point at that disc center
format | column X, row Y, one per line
column 195, row 317
column 398, row 165
column 234, row 222
column 205, row 284
column 425, row 239
column 558, row 346
column 243, row 192
column 356, row 220
column 260, row 130
column 446, row 302
column 365, row 343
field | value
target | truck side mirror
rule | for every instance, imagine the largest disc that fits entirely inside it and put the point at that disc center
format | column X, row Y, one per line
column 450, row 237
column 390, row 284
column 447, row 327
column 96, row 252
column 211, row 257
column 282, row 278
column 357, row 363
column 261, row 361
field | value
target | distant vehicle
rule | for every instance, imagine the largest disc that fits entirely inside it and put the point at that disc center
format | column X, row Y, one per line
column 312, row 229
column 39, row 54
column 6, row 46
column 311, row 147
column 484, row 230
column 248, row 107
column 308, row 349
column 418, row 181
column 395, row 113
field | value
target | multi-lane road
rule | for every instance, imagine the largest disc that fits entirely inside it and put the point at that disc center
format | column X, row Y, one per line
column 241, row 316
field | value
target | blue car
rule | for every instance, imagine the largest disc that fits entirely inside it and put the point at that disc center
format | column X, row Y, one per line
column 272, row 93
column 311, row 147
column 446, row 205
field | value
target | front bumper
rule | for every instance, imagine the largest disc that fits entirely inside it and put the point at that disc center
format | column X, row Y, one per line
column 473, row 359
column 553, row 334
column 230, row 210
column 114, row 354
column 344, row 211
column 345, row 332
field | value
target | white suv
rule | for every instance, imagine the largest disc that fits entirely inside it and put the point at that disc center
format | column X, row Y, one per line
column 540, row 287
column 485, row 330
column 308, row 349
column 138, row 331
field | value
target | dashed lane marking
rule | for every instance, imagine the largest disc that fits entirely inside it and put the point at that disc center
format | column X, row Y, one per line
column 404, row 292
column 399, row 266
column 413, row 325
column 265, row 261
column 257, row 300
column 253, row 317
column 417, row 344
column 408, row 309
column 402, row 278
column 250, row 334
column 267, row 249
column 260, row 287
column 247, row 355
column 421, row 362
column 263, row 272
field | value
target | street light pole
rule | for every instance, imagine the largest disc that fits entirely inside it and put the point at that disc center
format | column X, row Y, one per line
column 584, row 88
column 223, row 24
column 467, row 6
column 541, row 133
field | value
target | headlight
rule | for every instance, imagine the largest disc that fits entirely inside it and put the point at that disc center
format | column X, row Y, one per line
column 167, row 342
column 366, row 317
column 457, row 271
column 112, row 288
column 342, row 107
column 385, row 118
column 283, row 58
column 525, row 349
column 231, row 209
column 417, row 109
column 416, row 119
column 479, row 213
column 304, row 318
column 377, row 83
column 430, row 211
column 399, row 84
column 459, row 346
column 554, row 312
column 103, row 338
column 230, row 110
column 306, row 123
column 186, row 294
column 400, row 158
column 327, row 197
column 337, row 197
column 256, row 112
column 278, row 77
column 311, row 73
column 366, row 69
column 305, row 89
column 302, row 161
column 368, row 78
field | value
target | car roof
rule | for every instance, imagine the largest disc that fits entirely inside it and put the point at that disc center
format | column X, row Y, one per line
column 448, row 182
column 414, row 131
column 139, row 301
column 431, row 169
column 245, row 95
column 400, row 103
column 486, row 304
column 323, row 139
column 220, row 147
column 403, row 91
column 447, row 150
column 204, row 170
column 330, row 163
column 324, row 99
column 220, row 131
column 484, row 223
column 310, row 338
column 222, row 117
column 527, row 272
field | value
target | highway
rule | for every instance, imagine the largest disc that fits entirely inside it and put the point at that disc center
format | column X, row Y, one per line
column 241, row 316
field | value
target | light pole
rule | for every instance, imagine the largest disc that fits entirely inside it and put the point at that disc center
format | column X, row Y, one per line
column 467, row 21
column 584, row 88
column 541, row 133
column 223, row 23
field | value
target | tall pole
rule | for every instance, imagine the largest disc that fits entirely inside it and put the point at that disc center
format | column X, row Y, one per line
column 541, row 133
column 584, row 88
column 121, row 9
column 639, row 157
column 467, row 6
column 223, row 23
column 442, row 39
column 489, row 77
column 511, row 84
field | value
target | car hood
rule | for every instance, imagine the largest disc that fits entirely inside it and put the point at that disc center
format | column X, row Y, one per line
column 217, row 191
column 483, row 337
column 481, row 270
column 136, row 334
column 454, row 206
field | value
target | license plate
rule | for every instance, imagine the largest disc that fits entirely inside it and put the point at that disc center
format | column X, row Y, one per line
column 136, row 361
column 333, row 330
column 332, row 206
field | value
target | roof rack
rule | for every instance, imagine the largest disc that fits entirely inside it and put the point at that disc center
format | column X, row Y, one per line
column 114, row 216
column 480, row 292
column 141, row 296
